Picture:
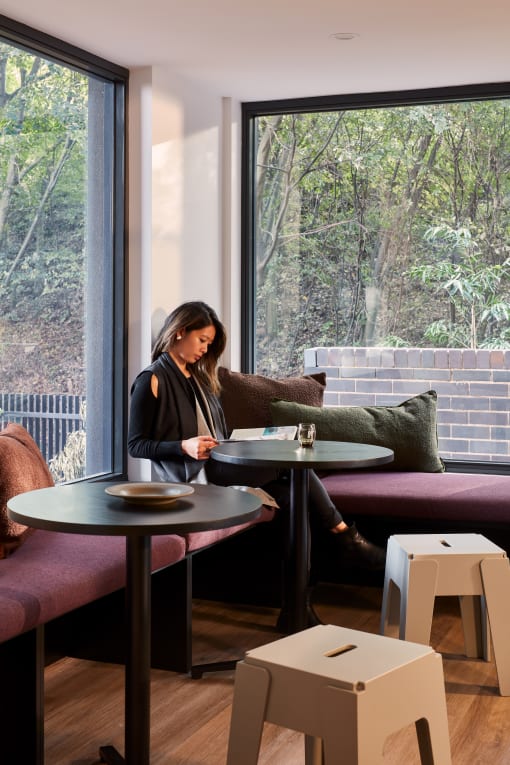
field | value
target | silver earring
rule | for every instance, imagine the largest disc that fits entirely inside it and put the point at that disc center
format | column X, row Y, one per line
column 179, row 337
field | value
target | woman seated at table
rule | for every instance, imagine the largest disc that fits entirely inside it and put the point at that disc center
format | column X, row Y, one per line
column 176, row 419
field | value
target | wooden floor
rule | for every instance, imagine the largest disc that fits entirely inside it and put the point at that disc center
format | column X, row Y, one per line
column 190, row 718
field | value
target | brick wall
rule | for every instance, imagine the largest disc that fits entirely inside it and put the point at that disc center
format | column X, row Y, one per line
column 473, row 389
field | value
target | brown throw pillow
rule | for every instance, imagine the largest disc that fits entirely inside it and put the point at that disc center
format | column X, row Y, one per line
column 245, row 398
column 22, row 468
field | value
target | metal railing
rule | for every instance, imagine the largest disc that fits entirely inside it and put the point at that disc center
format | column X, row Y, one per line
column 49, row 418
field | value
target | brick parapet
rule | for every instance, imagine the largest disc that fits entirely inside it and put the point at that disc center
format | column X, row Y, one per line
column 473, row 388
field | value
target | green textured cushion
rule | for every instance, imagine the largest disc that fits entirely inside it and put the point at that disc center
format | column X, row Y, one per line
column 409, row 428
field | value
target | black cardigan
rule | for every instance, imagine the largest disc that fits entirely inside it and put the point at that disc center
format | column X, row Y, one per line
column 157, row 426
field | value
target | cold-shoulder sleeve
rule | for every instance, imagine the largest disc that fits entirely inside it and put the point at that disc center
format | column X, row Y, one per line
column 143, row 415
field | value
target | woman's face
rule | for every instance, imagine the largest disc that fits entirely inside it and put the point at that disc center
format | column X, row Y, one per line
column 193, row 344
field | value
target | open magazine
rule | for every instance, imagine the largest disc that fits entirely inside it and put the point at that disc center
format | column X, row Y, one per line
column 283, row 433
column 266, row 498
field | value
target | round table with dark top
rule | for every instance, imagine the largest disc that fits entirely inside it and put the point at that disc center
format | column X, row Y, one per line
column 85, row 508
column 324, row 455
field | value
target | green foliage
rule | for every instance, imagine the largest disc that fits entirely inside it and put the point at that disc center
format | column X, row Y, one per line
column 393, row 341
column 69, row 464
column 382, row 225
column 475, row 291
column 43, row 197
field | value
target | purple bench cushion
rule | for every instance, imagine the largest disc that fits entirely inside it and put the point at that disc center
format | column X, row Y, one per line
column 197, row 540
column 442, row 496
column 53, row 573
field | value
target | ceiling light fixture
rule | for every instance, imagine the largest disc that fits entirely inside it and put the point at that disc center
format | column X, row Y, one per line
column 344, row 35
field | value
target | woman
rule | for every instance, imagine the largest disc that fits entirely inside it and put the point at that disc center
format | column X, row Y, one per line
column 176, row 419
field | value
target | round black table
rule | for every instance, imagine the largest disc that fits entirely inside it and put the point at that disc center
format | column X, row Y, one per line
column 86, row 508
column 324, row 455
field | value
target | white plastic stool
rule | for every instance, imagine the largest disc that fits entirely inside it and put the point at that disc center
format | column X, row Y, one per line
column 421, row 566
column 346, row 690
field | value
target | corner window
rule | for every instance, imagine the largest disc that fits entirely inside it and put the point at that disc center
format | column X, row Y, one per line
column 382, row 222
column 62, row 251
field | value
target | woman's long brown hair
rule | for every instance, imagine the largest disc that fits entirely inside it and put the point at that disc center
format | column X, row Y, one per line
column 188, row 317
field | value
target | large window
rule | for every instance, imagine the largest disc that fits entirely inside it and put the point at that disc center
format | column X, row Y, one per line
column 379, row 221
column 62, row 251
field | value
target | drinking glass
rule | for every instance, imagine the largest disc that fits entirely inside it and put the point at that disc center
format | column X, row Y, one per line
column 306, row 434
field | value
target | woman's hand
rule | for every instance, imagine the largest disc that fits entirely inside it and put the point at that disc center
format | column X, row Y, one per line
column 198, row 447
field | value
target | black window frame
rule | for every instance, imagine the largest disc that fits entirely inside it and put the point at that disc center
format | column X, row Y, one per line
column 81, row 60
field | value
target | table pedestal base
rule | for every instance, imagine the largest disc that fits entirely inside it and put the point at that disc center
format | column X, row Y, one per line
column 297, row 613
column 138, row 660
column 110, row 755
column 197, row 670
column 286, row 624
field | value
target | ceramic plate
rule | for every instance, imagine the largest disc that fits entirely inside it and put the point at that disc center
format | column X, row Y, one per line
column 150, row 494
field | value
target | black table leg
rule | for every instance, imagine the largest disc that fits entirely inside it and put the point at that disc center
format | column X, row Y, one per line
column 138, row 663
column 138, row 659
column 297, row 613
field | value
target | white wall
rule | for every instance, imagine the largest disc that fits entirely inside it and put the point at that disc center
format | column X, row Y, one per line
column 184, row 211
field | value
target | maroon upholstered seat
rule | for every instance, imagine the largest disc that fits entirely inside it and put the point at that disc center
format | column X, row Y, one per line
column 197, row 540
column 481, row 499
column 53, row 573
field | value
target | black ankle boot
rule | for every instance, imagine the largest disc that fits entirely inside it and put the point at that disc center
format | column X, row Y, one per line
column 354, row 551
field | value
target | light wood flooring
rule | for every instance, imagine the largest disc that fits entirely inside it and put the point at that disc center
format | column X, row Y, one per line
column 190, row 718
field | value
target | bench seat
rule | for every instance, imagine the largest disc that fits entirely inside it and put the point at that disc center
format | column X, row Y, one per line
column 53, row 573
column 199, row 540
column 479, row 498
column 386, row 502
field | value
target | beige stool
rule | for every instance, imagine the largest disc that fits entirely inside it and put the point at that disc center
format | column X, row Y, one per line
column 421, row 566
column 346, row 690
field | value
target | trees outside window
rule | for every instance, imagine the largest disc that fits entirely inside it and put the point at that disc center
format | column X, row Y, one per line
column 61, row 250
column 379, row 224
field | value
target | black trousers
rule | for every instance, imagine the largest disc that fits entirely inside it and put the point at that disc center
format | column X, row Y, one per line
column 277, row 484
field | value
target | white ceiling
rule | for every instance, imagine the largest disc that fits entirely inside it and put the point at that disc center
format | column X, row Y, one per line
column 269, row 49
